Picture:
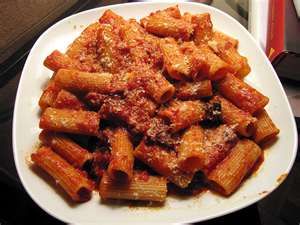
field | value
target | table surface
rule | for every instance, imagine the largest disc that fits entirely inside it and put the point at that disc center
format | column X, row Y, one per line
column 282, row 207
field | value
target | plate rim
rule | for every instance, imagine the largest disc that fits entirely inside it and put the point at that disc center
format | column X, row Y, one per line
column 238, row 206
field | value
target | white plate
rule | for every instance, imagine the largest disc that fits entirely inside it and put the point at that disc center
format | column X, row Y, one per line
column 279, row 157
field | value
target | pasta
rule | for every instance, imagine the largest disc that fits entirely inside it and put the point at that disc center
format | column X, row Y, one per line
column 221, row 37
column 233, row 115
column 241, row 94
column 70, row 121
column 190, row 151
column 217, row 144
column 49, row 95
column 75, row 81
column 73, row 181
column 203, row 28
column 163, row 162
column 66, row 148
column 165, row 24
column 66, row 100
column 175, row 62
column 225, row 48
column 107, row 45
column 183, row 113
column 227, row 175
column 266, row 130
column 121, row 165
column 135, row 109
column 205, row 64
column 144, row 47
column 194, row 90
column 57, row 60
column 84, row 48
column 149, row 188
column 156, row 85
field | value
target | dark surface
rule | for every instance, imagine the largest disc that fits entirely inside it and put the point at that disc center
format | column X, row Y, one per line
column 282, row 207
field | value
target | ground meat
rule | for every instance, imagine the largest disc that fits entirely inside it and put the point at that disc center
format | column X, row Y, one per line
column 159, row 132
column 94, row 100
column 213, row 114
column 138, row 97
column 136, row 110
column 116, row 108
column 99, row 164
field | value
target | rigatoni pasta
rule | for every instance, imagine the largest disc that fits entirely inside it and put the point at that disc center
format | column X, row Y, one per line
column 73, row 181
column 120, row 167
column 149, row 188
column 265, row 130
column 49, row 95
column 225, row 48
column 156, row 85
column 191, row 154
column 70, row 121
column 67, row 100
column 205, row 64
column 164, row 24
column 75, row 81
column 175, row 62
column 242, row 94
column 228, row 175
column 163, row 162
column 66, row 148
column 203, row 28
column 173, row 105
column 246, row 124
column 182, row 114
column 194, row 90
column 57, row 60
column 84, row 48
column 221, row 37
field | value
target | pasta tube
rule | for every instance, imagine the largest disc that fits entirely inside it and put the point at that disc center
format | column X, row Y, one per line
column 57, row 60
column 151, row 188
column 70, row 121
column 168, row 23
column 266, row 130
column 190, row 151
column 49, row 95
column 221, row 37
column 175, row 62
column 87, row 39
column 225, row 48
column 73, row 181
column 217, row 145
column 182, row 114
column 233, row 115
column 121, row 165
column 228, row 174
column 155, row 84
column 163, row 162
column 194, row 90
column 66, row 148
column 66, row 100
column 241, row 94
column 77, row 81
column 204, row 63
column 203, row 29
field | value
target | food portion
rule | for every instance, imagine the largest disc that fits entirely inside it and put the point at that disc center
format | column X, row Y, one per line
column 136, row 108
